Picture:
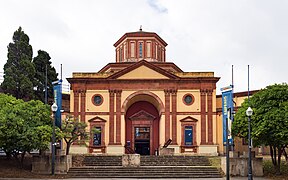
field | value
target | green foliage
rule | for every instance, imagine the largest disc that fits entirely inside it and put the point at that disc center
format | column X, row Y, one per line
column 72, row 130
column 19, row 70
column 24, row 78
column 41, row 61
column 24, row 126
column 269, row 121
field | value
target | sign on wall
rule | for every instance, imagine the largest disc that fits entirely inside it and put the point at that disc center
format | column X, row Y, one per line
column 227, row 109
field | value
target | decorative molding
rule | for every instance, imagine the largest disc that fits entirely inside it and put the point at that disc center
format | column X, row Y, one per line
column 189, row 119
column 142, row 115
column 97, row 119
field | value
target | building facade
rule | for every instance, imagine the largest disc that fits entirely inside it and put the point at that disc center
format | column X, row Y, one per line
column 140, row 102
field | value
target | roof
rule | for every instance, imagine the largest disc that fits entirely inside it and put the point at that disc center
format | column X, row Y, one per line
column 140, row 34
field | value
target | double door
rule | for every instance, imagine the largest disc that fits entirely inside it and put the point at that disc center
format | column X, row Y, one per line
column 142, row 140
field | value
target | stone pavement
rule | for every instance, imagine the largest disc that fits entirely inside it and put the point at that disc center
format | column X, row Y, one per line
column 231, row 178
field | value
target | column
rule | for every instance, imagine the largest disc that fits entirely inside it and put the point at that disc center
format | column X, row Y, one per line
column 167, row 114
column 203, row 116
column 210, row 117
column 82, row 106
column 118, row 117
column 76, row 103
column 174, row 117
column 111, row 116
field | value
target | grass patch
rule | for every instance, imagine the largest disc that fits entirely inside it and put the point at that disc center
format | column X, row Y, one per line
column 215, row 161
column 269, row 170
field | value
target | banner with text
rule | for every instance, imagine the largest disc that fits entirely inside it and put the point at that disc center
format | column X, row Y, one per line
column 227, row 109
column 57, row 89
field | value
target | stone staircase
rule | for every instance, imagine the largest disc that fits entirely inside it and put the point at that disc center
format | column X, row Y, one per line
column 150, row 167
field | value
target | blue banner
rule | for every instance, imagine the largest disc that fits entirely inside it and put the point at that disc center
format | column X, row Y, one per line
column 57, row 89
column 227, row 109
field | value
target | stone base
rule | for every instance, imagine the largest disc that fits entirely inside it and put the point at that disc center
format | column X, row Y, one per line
column 239, row 166
column 78, row 149
column 176, row 148
column 131, row 160
column 42, row 164
column 115, row 150
column 166, row 151
column 208, row 150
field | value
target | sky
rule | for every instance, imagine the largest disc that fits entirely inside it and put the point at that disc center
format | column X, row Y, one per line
column 202, row 35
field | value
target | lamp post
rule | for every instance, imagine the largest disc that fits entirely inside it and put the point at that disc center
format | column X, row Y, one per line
column 54, row 108
column 249, row 113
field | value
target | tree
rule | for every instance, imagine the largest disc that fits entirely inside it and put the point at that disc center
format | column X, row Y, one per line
column 269, row 121
column 24, row 126
column 19, row 70
column 41, row 61
column 72, row 130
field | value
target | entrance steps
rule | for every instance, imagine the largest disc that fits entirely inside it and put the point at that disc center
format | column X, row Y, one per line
column 150, row 167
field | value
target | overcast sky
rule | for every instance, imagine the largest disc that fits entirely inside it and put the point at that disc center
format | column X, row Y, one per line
column 202, row 35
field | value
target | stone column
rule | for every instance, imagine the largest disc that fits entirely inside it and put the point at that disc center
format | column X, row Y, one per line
column 111, row 116
column 210, row 117
column 118, row 116
column 83, row 105
column 167, row 114
column 76, row 103
column 174, row 117
column 203, row 116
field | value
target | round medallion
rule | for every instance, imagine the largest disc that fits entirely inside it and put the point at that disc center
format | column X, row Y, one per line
column 97, row 99
column 188, row 99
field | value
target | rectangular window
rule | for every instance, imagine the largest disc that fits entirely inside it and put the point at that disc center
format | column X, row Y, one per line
column 125, row 49
column 188, row 135
column 148, row 50
column 97, row 137
column 120, row 55
column 132, row 49
column 117, row 55
column 140, row 50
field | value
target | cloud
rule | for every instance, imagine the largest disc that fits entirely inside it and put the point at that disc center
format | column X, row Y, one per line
column 201, row 35
column 157, row 6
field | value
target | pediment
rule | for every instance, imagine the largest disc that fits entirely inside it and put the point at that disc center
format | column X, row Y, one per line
column 97, row 119
column 143, row 70
column 142, row 115
column 189, row 119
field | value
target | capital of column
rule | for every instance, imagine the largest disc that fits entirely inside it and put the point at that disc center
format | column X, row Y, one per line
column 173, row 92
column 167, row 91
column 203, row 91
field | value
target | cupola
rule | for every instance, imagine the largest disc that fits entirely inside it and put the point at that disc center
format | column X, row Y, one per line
column 140, row 45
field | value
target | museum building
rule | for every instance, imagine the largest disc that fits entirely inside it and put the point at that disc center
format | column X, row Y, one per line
column 141, row 102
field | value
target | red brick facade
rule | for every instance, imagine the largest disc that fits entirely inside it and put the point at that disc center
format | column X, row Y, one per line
column 161, row 93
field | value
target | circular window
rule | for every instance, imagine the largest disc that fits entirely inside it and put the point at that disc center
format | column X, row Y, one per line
column 188, row 99
column 97, row 99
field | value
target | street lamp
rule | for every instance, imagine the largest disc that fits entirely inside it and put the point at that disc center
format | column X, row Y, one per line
column 249, row 113
column 54, row 108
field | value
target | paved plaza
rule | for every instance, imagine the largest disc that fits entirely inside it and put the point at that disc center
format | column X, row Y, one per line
column 232, row 178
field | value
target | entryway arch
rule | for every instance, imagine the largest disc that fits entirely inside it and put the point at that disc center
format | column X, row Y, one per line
column 142, row 118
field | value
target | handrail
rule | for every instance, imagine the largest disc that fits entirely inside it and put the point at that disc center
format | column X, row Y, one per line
column 167, row 143
column 129, row 149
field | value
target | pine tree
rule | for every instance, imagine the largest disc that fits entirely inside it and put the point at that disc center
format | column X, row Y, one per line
column 19, row 70
column 41, row 61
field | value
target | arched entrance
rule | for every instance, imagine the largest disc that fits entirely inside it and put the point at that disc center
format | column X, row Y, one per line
column 142, row 127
